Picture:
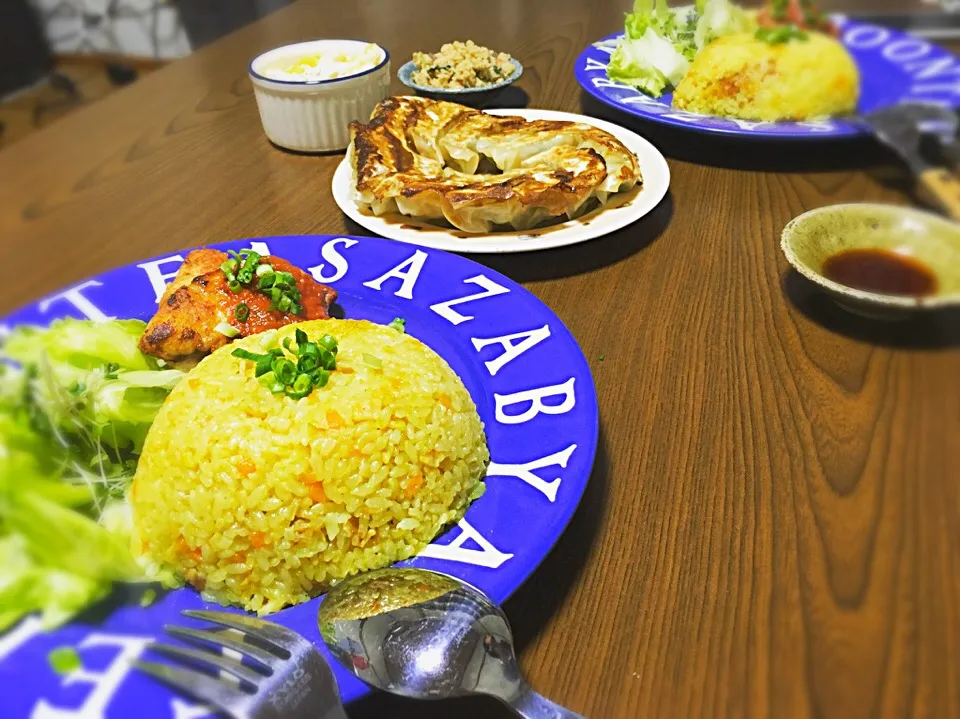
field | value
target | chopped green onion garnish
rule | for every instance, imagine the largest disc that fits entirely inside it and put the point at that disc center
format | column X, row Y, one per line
column 308, row 363
column 229, row 267
column 262, row 269
column 251, row 260
column 245, row 354
column 148, row 597
column 225, row 328
column 64, row 660
column 328, row 342
column 301, row 387
column 242, row 312
column 264, row 363
column 285, row 370
column 372, row 360
column 328, row 360
column 781, row 34
column 281, row 375
column 270, row 381
column 398, row 323
column 266, row 280
column 245, row 277
column 284, row 304
column 234, row 286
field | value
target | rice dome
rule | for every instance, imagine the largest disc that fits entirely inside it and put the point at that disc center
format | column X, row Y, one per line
column 263, row 501
column 744, row 77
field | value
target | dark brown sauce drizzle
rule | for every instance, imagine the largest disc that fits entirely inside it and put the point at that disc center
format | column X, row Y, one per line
column 880, row 271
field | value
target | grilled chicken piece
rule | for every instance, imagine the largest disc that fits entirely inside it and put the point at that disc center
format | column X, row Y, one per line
column 198, row 299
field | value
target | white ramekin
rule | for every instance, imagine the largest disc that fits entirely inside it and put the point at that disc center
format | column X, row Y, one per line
column 313, row 115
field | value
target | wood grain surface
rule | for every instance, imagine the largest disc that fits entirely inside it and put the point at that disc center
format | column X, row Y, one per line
column 772, row 528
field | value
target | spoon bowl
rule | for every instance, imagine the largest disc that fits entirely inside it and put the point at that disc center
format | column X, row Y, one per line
column 427, row 635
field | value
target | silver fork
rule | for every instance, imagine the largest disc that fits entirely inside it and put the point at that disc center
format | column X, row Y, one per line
column 283, row 675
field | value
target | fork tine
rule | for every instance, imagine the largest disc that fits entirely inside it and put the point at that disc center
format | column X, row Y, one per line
column 207, row 637
column 200, row 686
column 200, row 657
column 262, row 630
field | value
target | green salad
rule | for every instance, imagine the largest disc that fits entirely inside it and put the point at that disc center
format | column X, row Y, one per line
column 76, row 401
column 659, row 43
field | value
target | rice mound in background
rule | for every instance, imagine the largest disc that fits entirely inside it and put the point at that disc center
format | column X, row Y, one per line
column 743, row 77
column 263, row 501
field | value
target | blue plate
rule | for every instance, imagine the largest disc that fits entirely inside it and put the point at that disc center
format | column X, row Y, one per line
column 466, row 95
column 894, row 67
column 504, row 535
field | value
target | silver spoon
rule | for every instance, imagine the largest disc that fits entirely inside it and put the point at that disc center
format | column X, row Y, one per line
column 426, row 635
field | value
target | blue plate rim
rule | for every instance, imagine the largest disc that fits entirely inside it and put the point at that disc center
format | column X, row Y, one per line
column 845, row 128
column 406, row 70
column 589, row 422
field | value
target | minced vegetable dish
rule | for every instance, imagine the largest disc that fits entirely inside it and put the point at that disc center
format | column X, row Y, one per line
column 461, row 65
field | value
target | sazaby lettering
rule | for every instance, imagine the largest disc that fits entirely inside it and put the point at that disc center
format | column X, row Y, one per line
column 524, row 471
column 486, row 556
column 104, row 683
column 470, row 545
column 19, row 635
column 490, row 289
column 158, row 278
column 594, row 65
column 75, row 297
column 535, row 398
column 511, row 348
column 336, row 260
column 407, row 272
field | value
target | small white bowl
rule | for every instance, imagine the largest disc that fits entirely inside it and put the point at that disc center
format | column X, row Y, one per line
column 313, row 115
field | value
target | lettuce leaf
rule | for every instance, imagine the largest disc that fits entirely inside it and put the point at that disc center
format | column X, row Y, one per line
column 659, row 44
column 719, row 18
column 649, row 63
column 76, row 402
column 27, row 587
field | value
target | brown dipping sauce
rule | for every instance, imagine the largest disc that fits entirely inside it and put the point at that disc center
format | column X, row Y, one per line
column 880, row 271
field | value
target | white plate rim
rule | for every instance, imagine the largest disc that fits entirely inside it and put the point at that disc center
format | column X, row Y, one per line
column 656, row 183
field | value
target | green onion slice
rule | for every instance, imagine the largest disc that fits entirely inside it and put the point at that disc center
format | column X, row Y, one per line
column 285, row 370
column 266, row 280
column 64, row 660
column 225, row 328
column 308, row 363
column 242, row 312
column 301, row 387
column 245, row 354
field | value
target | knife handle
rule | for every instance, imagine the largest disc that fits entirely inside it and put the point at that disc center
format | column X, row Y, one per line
column 941, row 188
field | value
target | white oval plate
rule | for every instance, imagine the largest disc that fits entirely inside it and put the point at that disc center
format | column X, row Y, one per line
column 632, row 206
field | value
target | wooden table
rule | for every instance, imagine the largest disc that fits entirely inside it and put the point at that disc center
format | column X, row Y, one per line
column 772, row 528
